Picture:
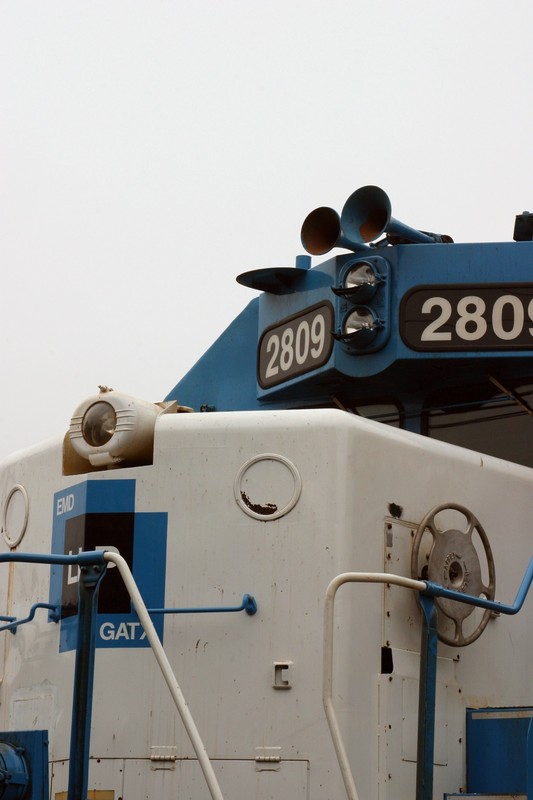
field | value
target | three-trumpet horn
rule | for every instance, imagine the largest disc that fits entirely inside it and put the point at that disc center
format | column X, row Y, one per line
column 365, row 217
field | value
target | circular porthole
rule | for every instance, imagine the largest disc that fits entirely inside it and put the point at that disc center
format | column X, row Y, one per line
column 15, row 515
column 267, row 486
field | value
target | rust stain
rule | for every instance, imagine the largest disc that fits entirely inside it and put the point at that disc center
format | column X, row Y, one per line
column 265, row 510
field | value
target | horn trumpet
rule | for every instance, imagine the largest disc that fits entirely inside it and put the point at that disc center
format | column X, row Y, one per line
column 365, row 217
column 321, row 231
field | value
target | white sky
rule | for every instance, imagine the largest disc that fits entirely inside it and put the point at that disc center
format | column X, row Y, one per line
column 151, row 150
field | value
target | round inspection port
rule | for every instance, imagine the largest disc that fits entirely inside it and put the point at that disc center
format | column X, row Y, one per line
column 267, row 486
column 15, row 515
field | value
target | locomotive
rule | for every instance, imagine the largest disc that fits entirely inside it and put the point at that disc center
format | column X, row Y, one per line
column 304, row 573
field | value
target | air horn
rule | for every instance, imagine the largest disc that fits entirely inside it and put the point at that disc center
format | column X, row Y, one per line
column 365, row 217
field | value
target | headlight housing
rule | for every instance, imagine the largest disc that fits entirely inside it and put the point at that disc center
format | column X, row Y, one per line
column 112, row 427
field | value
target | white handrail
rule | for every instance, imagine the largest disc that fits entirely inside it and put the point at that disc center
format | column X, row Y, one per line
column 166, row 669
column 327, row 684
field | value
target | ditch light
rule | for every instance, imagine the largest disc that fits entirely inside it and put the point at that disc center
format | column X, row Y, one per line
column 112, row 427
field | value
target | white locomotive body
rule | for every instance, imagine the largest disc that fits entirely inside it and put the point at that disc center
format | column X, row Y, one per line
column 234, row 524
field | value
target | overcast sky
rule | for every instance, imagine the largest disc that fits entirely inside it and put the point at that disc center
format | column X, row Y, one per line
column 152, row 150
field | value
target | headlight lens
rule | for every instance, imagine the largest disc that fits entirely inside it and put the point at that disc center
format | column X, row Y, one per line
column 99, row 424
column 361, row 275
column 360, row 320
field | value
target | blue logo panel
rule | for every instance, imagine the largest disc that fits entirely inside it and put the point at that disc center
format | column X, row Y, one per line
column 97, row 514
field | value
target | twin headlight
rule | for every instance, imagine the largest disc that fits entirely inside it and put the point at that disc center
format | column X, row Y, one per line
column 362, row 283
column 111, row 427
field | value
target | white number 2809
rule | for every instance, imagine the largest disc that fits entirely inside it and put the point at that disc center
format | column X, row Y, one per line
column 506, row 318
column 455, row 317
column 291, row 346
column 298, row 345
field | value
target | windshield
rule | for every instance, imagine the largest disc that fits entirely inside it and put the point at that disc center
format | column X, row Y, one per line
column 494, row 418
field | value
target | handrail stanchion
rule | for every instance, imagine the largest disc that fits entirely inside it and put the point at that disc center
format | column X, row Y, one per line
column 80, row 734
column 426, row 700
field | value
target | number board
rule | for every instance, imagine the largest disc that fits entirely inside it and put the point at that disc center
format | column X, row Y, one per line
column 297, row 345
column 497, row 316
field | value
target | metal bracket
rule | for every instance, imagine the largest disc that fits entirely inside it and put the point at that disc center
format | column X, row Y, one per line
column 280, row 679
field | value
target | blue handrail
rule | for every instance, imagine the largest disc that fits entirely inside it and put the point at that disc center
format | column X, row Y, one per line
column 435, row 590
column 86, row 557
column 93, row 565
column 248, row 604
column 89, row 557
column 14, row 622
column 428, row 667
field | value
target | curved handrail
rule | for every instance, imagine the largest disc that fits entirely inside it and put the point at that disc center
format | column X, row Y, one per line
column 424, row 587
column 168, row 674
column 327, row 684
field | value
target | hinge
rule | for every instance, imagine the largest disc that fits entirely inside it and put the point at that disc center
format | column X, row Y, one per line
column 163, row 757
column 267, row 758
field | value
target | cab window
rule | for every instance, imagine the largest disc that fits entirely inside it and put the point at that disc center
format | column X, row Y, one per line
column 492, row 418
